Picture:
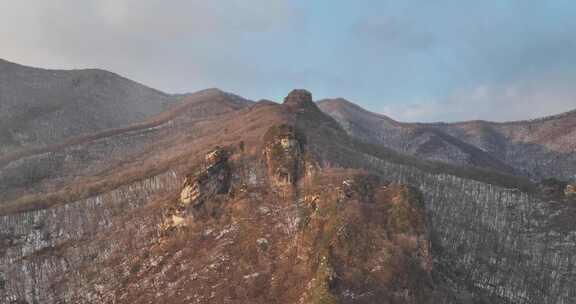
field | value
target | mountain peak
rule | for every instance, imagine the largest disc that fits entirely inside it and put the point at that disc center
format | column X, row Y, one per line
column 299, row 98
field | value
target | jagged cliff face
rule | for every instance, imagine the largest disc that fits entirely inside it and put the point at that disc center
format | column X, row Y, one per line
column 284, row 154
column 229, row 237
column 286, row 209
column 214, row 179
column 367, row 242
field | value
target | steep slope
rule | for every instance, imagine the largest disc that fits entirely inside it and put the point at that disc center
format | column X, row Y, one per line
column 418, row 140
column 246, row 204
column 39, row 107
column 277, row 204
column 539, row 148
column 27, row 171
column 543, row 147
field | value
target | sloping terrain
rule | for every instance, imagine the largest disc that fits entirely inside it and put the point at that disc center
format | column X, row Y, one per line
column 419, row 140
column 269, row 203
column 40, row 107
column 86, row 157
column 538, row 149
column 543, row 147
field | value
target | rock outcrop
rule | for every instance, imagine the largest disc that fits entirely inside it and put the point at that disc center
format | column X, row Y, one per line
column 284, row 154
column 366, row 241
column 300, row 99
column 214, row 178
column 120, row 223
column 570, row 190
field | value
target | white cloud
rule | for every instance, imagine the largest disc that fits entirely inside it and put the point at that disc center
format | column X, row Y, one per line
column 176, row 45
column 263, row 48
column 517, row 101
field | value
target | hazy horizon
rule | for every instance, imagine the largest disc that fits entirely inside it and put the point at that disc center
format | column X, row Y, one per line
column 410, row 60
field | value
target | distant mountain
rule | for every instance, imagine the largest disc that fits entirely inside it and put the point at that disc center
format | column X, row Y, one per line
column 42, row 162
column 211, row 198
column 219, row 199
column 537, row 148
column 40, row 107
column 418, row 140
column 544, row 147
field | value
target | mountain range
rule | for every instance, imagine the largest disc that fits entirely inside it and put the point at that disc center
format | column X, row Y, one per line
column 539, row 148
column 113, row 192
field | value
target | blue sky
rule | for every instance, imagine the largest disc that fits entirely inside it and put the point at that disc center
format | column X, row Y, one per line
column 412, row 60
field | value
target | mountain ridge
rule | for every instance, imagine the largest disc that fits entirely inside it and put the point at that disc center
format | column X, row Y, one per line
column 299, row 107
column 282, row 191
column 39, row 106
column 219, row 199
column 340, row 101
column 503, row 143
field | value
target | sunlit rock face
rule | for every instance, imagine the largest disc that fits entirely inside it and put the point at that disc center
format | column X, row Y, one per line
column 348, row 238
column 570, row 190
column 300, row 99
column 213, row 179
column 364, row 241
column 284, row 155
column 217, row 227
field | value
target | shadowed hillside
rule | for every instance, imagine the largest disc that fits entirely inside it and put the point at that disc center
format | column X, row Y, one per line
column 225, row 201
column 537, row 149
column 41, row 107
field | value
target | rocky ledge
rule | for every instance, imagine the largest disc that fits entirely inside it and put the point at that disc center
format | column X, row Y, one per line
column 198, row 189
column 285, row 155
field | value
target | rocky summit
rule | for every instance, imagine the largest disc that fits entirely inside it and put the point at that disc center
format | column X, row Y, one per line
column 300, row 99
column 217, row 199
